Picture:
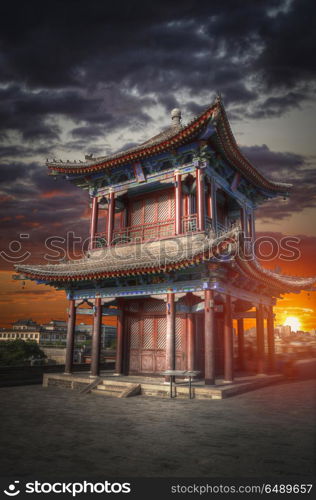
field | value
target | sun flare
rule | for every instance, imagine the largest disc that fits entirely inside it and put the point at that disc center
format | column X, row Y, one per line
column 293, row 322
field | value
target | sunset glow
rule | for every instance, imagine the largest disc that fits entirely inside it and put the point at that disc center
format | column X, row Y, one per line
column 293, row 322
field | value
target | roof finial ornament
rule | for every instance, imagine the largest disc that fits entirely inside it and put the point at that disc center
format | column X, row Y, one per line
column 176, row 116
column 218, row 97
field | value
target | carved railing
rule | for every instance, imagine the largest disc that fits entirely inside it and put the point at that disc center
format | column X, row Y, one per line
column 189, row 223
column 220, row 228
column 158, row 230
column 144, row 232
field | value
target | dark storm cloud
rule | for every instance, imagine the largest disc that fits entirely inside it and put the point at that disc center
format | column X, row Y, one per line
column 276, row 106
column 80, row 61
column 33, row 113
column 298, row 170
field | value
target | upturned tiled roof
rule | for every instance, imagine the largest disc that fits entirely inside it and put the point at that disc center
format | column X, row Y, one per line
column 249, row 265
column 169, row 140
column 165, row 255
column 136, row 258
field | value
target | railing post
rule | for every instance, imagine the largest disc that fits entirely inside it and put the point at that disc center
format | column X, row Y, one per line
column 178, row 201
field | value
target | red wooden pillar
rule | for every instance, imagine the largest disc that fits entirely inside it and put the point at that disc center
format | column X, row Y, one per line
column 191, row 341
column 119, row 340
column 71, row 326
column 96, row 338
column 93, row 222
column 270, row 333
column 170, row 335
column 228, row 342
column 241, row 343
column 260, row 338
column 209, row 337
column 200, row 200
column 178, row 202
column 110, row 219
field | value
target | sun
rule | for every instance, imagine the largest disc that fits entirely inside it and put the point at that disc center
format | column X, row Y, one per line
column 293, row 322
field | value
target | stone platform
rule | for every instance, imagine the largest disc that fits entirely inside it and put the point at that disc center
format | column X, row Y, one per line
column 110, row 385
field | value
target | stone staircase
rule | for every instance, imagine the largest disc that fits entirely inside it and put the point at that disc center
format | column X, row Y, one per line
column 117, row 389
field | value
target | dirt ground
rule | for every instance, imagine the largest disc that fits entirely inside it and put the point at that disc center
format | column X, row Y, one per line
column 58, row 433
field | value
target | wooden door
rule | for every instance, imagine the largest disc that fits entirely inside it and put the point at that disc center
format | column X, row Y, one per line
column 147, row 343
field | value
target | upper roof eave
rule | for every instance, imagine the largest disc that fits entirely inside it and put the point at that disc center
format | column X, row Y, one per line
column 173, row 137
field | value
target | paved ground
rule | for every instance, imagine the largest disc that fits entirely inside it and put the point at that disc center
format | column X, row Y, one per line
column 59, row 433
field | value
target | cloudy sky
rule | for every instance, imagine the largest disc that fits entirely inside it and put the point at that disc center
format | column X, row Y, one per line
column 93, row 77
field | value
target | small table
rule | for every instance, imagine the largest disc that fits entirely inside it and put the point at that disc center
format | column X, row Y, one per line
column 181, row 373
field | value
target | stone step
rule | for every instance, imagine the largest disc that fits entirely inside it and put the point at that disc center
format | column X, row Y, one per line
column 112, row 394
column 131, row 391
column 118, row 383
column 126, row 392
column 110, row 388
column 119, row 387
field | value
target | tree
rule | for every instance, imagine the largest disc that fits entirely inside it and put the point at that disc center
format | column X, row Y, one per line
column 19, row 352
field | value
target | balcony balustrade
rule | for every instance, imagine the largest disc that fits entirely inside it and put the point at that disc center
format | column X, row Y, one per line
column 158, row 230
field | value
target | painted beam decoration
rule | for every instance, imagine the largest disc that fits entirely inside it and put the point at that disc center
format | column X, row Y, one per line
column 139, row 173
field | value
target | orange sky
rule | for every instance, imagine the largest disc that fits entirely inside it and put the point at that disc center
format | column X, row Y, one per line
column 39, row 302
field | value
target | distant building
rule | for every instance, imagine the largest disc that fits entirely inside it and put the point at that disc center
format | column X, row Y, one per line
column 24, row 329
column 282, row 331
column 54, row 332
column 25, row 324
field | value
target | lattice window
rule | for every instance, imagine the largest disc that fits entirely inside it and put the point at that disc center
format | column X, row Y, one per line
column 161, row 333
column 150, row 210
column 148, row 333
column 133, row 307
column 156, row 208
column 172, row 207
column 137, row 213
column 179, row 322
column 192, row 204
column 118, row 220
column 163, row 207
column 156, row 306
column 134, row 332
